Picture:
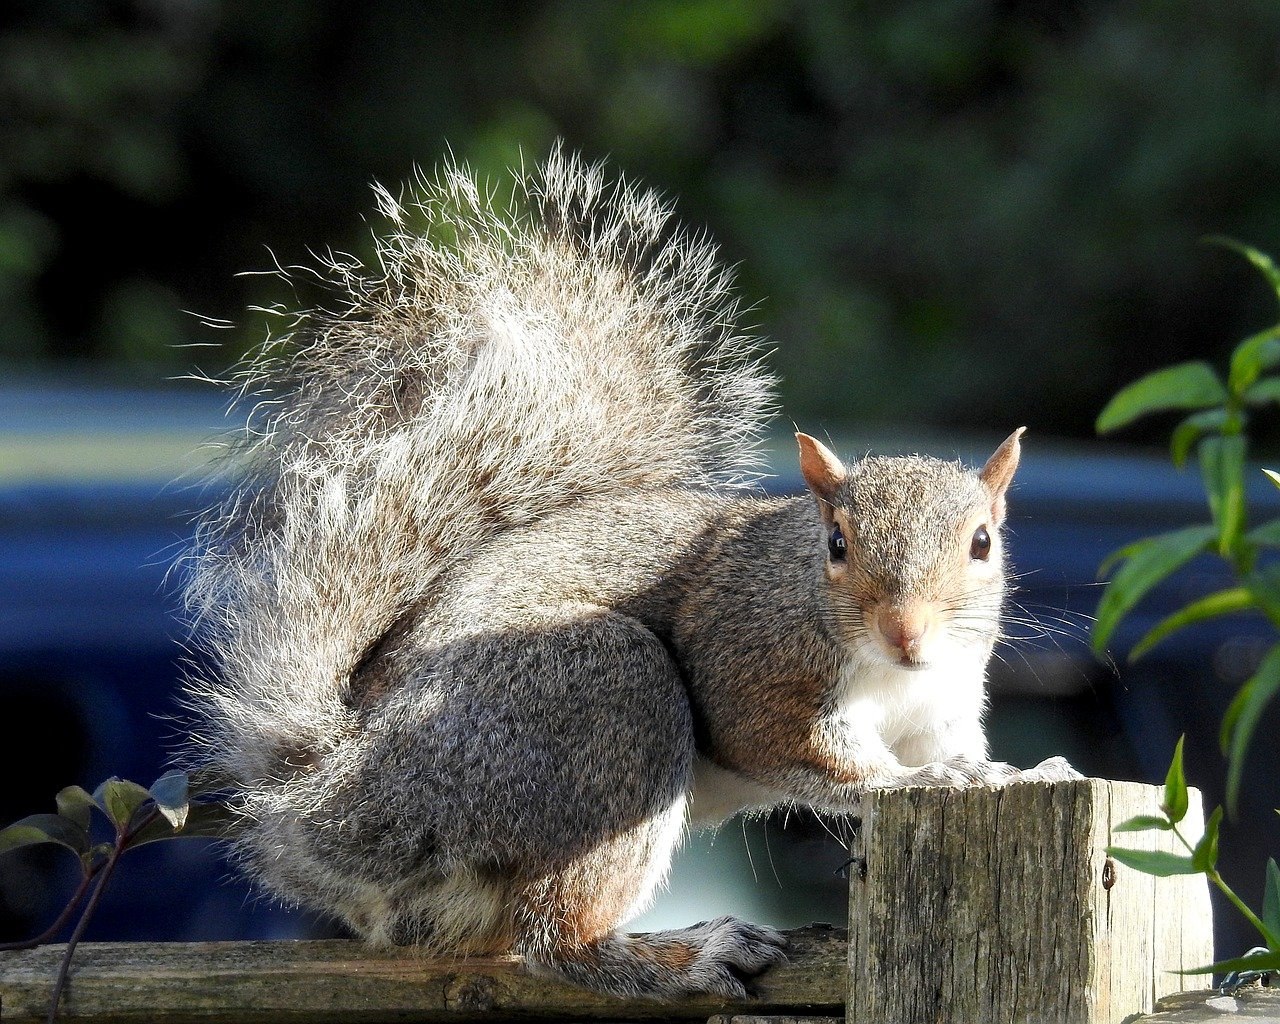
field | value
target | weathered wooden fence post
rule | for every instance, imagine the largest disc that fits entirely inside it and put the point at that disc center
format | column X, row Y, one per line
column 1001, row 906
column 967, row 907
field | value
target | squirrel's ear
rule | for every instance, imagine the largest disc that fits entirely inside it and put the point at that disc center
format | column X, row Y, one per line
column 997, row 474
column 822, row 471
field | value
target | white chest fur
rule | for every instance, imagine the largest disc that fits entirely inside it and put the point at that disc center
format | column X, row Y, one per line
column 922, row 714
column 917, row 715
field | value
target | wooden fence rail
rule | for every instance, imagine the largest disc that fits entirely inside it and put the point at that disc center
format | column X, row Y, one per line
column 973, row 907
column 339, row 981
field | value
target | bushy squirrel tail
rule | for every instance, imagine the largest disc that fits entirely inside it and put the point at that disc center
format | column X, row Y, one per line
column 497, row 361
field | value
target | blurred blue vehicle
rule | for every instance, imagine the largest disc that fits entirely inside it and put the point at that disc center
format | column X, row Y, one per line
column 97, row 488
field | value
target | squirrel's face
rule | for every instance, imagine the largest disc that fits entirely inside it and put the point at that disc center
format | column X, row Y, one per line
column 913, row 558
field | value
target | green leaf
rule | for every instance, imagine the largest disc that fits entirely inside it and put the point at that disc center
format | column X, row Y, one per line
column 1190, row 430
column 204, row 820
column 1231, row 716
column 1154, row 862
column 75, row 803
column 1224, row 602
column 1253, row 355
column 1205, row 855
column 1266, row 535
column 1241, row 719
column 1222, row 469
column 1146, row 563
column 170, row 795
column 1264, row 585
column 44, row 828
column 1263, row 392
column 1191, row 385
column 119, row 799
column 1143, row 823
column 1271, row 899
column 1257, row 257
column 1269, row 961
column 1175, row 800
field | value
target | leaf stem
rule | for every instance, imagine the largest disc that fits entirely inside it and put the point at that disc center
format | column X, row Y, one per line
column 1216, row 879
column 62, row 919
column 123, row 839
column 127, row 838
column 64, row 968
column 85, row 881
column 1229, row 893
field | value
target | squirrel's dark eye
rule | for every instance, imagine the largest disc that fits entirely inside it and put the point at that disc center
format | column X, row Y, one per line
column 981, row 546
column 836, row 545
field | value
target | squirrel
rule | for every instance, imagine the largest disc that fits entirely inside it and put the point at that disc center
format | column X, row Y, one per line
column 495, row 608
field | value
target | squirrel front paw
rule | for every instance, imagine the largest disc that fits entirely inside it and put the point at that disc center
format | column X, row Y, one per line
column 961, row 772
column 1051, row 769
column 955, row 773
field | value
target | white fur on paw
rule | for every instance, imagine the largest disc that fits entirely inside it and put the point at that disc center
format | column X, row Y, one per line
column 1051, row 769
column 961, row 772
column 936, row 773
column 998, row 773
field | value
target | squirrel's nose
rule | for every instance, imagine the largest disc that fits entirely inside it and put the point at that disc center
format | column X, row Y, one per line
column 903, row 629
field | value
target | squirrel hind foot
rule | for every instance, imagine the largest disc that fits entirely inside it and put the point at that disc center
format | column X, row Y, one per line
column 739, row 949
column 716, row 958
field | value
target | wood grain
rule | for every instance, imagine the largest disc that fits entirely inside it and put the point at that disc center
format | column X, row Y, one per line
column 337, row 981
column 1000, row 905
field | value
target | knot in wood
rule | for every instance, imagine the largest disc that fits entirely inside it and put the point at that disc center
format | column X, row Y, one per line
column 470, row 993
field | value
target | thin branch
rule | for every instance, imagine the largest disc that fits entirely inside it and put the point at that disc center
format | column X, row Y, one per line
column 53, row 929
column 65, row 968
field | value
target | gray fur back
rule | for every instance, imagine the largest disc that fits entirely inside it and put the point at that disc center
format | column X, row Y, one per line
column 501, row 360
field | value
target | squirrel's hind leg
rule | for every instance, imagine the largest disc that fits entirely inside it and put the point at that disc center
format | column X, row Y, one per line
column 620, row 699
column 567, row 930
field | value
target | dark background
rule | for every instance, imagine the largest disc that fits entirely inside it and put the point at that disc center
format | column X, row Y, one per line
column 957, row 212
column 950, row 217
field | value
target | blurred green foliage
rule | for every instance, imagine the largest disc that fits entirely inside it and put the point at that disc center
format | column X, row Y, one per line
column 950, row 211
column 1218, row 430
